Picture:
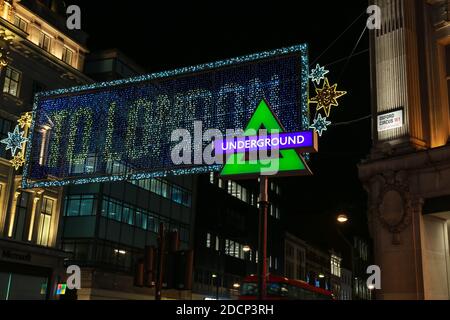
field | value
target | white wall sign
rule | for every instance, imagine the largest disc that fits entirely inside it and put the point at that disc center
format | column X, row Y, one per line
column 391, row 120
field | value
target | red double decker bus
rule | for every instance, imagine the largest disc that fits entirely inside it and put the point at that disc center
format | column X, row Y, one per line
column 280, row 288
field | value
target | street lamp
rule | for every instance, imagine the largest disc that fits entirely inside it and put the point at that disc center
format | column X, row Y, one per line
column 236, row 285
column 342, row 218
column 371, row 287
column 216, row 279
column 246, row 248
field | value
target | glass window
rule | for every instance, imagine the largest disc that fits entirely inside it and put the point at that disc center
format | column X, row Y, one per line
column 208, row 240
column 73, row 207
column 44, row 41
column 335, row 266
column 249, row 289
column 20, row 217
column 127, row 215
column 157, row 186
column 217, row 243
column 87, row 206
column 177, row 195
column 244, row 195
column 20, row 23
column 12, row 82
column 114, row 211
column 81, row 205
column 227, row 246
column 187, row 199
column 104, row 208
column 45, row 222
column 164, row 190
column 138, row 218
column 151, row 224
column 67, row 55
column 144, row 221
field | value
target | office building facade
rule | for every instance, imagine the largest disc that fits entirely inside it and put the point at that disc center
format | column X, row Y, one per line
column 226, row 235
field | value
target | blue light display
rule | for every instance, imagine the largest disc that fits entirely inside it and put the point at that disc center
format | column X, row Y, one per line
column 121, row 130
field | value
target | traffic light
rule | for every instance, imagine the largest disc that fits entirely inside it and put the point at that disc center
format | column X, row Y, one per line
column 177, row 266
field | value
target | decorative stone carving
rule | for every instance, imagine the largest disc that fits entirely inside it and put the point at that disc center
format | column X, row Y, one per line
column 394, row 209
column 5, row 42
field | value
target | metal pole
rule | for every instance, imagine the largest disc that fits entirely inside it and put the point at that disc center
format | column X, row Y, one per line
column 160, row 267
column 262, row 243
column 218, row 272
column 352, row 256
column 217, row 287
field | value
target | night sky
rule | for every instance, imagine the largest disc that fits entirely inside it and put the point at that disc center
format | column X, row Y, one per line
column 162, row 35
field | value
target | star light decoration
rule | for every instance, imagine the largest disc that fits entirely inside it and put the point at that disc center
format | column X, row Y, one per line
column 15, row 140
column 327, row 97
column 25, row 120
column 320, row 124
column 18, row 160
column 318, row 74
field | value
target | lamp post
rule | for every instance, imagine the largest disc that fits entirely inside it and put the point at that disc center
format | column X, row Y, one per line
column 343, row 219
column 216, row 278
column 262, row 243
column 371, row 287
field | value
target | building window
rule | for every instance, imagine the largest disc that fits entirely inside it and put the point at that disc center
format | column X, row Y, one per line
column 20, row 23
column 208, row 240
column 45, row 219
column 166, row 190
column 12, row 82
column 67, row 56
column 80, row 205
column 211, row 177
column 335, row 266
column 238, row 191
column 217, row 243
column 289, row 251
column 20, row 217
column 44, row 41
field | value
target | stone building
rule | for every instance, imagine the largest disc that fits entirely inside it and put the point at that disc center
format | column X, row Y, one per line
column 407, row 174
column 37, row 53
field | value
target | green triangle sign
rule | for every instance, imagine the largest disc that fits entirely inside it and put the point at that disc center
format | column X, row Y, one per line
column 289, row 162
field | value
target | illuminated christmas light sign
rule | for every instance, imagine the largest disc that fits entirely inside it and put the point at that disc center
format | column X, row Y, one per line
column 295, row 140
column 121, row 130
column 286, row 160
